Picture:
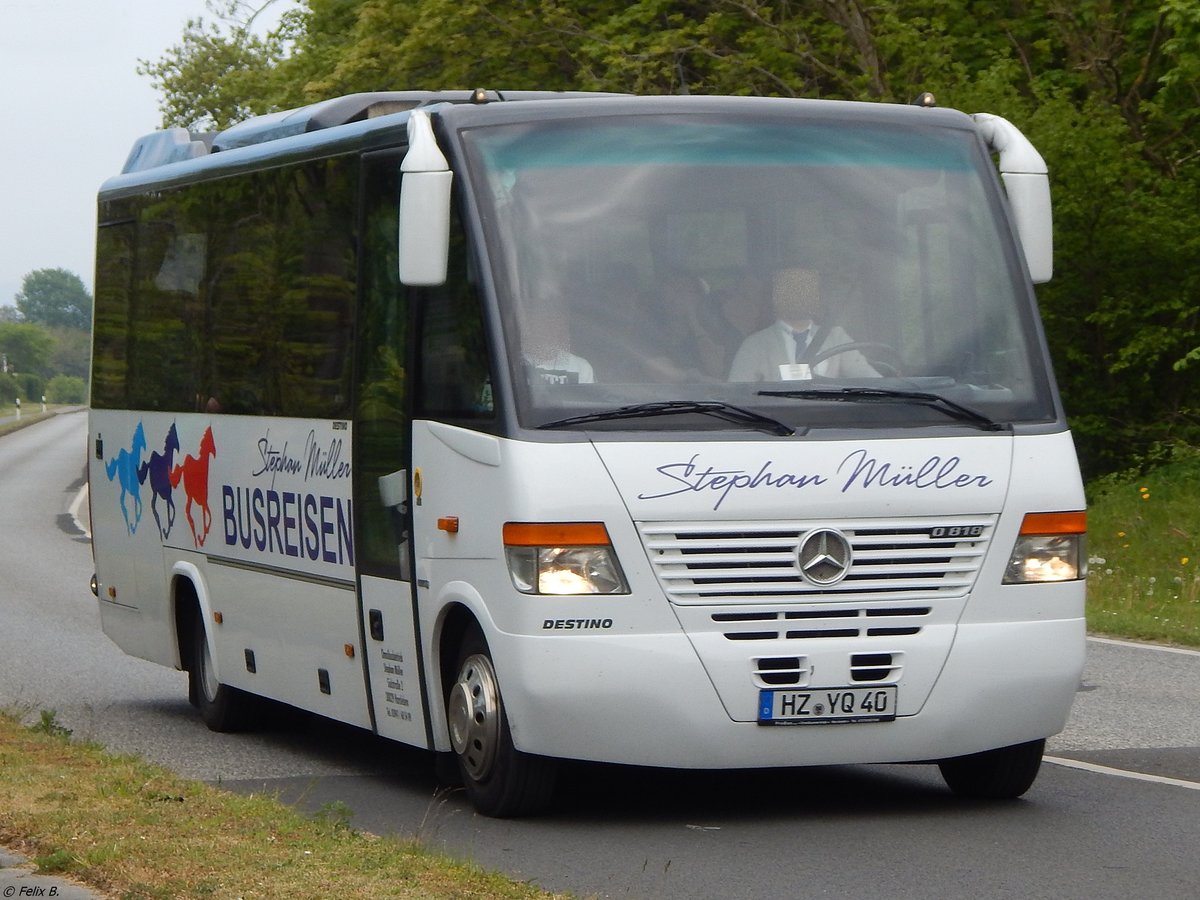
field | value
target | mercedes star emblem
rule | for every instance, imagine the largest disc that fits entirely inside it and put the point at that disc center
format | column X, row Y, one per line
column 824, row 557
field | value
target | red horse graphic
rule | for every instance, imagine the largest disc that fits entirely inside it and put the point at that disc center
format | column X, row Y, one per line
column 193, row 471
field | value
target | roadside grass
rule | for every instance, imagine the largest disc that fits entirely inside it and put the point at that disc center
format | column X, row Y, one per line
column 1144, row 553
column 134, row 830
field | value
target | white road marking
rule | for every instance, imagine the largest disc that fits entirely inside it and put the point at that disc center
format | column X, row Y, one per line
column 1140, row 646
column 1121, row 773
column 81, row 522
column 1125, row 773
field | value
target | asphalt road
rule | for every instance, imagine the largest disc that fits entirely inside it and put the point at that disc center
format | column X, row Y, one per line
column 1115, row 812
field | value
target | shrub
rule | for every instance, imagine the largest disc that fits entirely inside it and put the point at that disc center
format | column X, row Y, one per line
column 66, row 389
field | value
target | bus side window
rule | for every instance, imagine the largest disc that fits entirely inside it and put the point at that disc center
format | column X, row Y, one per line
column 454, row 363
column 114, row 285
column 281, row 289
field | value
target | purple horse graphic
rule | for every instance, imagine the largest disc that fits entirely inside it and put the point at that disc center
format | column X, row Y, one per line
column 125, row 465
column 158, row 469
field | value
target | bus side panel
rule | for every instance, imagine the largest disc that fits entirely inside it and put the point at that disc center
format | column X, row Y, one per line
column 269, row 502
column 262, row 508
column 127, row 524
column 289, row 639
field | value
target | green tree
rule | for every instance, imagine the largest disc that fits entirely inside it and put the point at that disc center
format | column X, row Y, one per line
column 56, row 298
column 26, row 347
column 219, row 73
column 1109, row 92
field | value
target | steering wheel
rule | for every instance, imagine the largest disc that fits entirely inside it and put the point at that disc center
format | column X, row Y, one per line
column 884, row 358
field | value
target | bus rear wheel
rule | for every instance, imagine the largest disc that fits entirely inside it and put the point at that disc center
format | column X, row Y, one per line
column 1002, row 774
column 499, row 779
column 222, row 707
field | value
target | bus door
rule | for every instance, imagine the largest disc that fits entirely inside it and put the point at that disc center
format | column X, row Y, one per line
column 382, row 463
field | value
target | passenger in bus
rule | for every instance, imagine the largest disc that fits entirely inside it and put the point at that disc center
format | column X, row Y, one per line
column 546, row 343
column 790, row 349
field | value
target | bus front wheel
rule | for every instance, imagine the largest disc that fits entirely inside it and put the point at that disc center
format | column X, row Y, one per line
column 499, row 779
column 1002, row 774
column 222, row 707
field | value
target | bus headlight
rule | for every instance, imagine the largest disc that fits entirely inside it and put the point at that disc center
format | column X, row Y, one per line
column 562, row 558
column 1050, row 547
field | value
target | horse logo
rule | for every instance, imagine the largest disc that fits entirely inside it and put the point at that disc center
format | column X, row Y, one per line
column 125, row 465
column 193, row 472
column 158, row 468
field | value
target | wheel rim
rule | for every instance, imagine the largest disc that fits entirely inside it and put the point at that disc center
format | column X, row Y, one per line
column 474, row 713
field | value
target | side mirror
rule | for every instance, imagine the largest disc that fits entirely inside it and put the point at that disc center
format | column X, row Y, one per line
column 1027, row 184
column 1029, row 200
column 424, row 207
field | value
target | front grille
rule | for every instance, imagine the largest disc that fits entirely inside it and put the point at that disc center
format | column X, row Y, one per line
column 747, row 562
column 873, row 667
column 781, row 671
column 816, row 624
column 796, row 671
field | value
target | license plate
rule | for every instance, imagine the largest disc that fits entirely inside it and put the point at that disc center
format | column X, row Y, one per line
column 814, row 706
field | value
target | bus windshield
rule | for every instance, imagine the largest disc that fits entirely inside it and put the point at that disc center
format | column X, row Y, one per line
column 651, row 270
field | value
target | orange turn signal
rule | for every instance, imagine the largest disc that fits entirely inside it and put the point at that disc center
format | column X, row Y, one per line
column 1055, row 523
column 555, row 534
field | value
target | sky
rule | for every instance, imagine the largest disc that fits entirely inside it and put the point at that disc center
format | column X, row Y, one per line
column 71, row 106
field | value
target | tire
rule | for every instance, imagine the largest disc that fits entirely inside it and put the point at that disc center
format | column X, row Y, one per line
column 222, row 707
column 499, row 779
column 1003, row 774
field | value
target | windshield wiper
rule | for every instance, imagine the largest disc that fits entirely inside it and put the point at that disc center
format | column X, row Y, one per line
column 881, row 395
column 714, row 408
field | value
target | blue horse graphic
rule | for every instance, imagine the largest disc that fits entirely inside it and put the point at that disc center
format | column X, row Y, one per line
column 158, row 469
column 126, row 465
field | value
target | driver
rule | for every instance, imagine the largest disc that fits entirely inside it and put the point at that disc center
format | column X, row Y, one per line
column 791, row 348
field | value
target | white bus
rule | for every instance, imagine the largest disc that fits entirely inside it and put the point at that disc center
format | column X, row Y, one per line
column 671, row 431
